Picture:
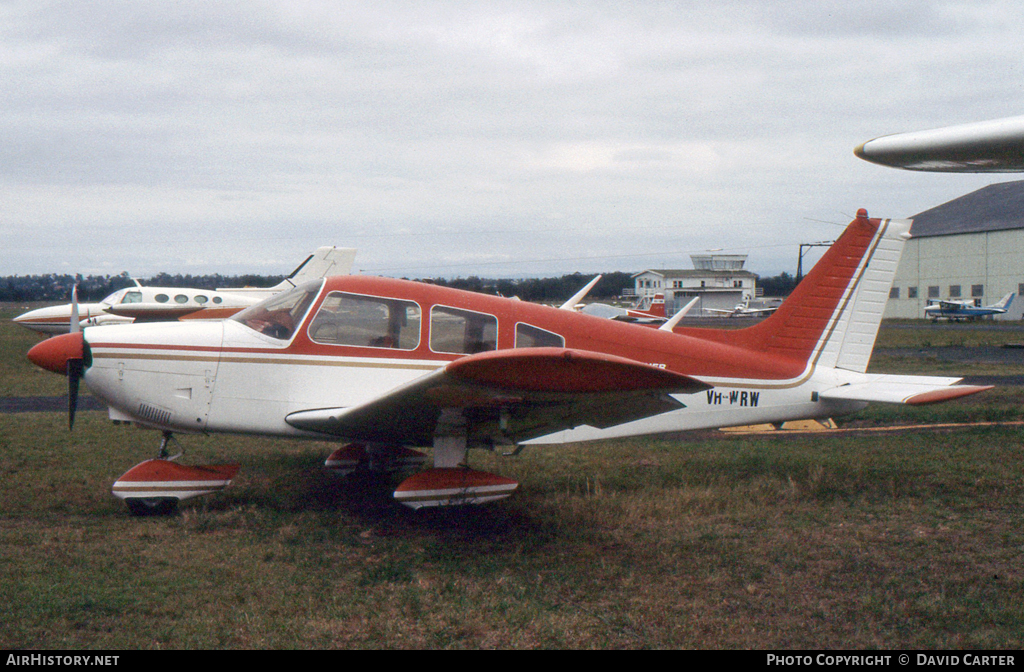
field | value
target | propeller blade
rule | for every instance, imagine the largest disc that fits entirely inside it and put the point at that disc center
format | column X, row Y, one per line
column 75, row 326
column 76, row 367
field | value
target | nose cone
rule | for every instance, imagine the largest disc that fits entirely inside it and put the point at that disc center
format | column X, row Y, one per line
column 53, row 354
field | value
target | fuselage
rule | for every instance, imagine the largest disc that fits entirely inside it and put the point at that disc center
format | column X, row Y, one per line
column 131, row 304
column 349, row 339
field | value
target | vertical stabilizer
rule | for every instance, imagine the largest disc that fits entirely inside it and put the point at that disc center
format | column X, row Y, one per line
column 832, row 317
column 850, row 340
column 324, row 262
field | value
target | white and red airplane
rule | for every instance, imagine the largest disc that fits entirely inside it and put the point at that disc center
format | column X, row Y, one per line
column 743, row 310
column 161, row 304
column 387, row 365
column 648, row 310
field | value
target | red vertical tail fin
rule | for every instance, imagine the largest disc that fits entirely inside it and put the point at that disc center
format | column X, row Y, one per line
column 832, row 317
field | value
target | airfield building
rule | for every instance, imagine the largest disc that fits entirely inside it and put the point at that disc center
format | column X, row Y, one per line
column 719, row 279
column 969, row 248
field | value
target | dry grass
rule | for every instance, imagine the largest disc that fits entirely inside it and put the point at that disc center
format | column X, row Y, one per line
column 904, row 541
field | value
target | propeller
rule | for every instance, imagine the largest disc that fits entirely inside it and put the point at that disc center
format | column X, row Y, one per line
column 65, row 354
column 76, row 365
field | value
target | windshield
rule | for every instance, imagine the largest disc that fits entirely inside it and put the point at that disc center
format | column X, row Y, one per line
column 279, row 315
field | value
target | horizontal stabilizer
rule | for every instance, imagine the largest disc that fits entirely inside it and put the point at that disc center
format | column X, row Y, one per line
column 912, row 390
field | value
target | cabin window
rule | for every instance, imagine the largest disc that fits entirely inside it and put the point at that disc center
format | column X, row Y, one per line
column 462, row 331
column 528, row 336
column 217, row 299
column 132, row 297
column 201, row 299
column 366, row 322
column 279, row 315
column 181, row 298
column 162, row 298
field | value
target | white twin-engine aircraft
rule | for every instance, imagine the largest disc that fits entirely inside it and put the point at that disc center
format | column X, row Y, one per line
column 386, row 365
column 161, row 304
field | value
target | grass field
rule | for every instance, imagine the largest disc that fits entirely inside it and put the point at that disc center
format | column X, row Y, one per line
column 846, row 539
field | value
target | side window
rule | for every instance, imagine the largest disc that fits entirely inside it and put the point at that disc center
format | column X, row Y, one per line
column 462, row 331
column 366, row 321
column 132, row 297
column 528, row 336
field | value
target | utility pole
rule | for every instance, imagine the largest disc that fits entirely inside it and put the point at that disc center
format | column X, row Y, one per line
column 800, row 260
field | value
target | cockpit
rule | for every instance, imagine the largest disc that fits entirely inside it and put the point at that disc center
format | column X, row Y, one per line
column 281, row 314
column 128, row 295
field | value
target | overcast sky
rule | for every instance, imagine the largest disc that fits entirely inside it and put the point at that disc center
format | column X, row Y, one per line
column 503, row 139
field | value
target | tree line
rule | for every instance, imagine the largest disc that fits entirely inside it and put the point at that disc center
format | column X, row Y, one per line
column 53, row 287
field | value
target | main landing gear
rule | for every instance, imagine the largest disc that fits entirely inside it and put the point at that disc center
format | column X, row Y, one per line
column 154, row 487
column 449, row 483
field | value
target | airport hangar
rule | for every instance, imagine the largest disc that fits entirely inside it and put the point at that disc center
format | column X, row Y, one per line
column 969, row 248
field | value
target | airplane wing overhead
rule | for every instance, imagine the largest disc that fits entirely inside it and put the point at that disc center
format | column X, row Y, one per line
column 984, row 147
column 913, row 390
column 512, row 395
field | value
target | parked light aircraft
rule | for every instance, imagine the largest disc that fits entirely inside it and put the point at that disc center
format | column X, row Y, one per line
column 649, row 310
column 148, row 304
column 743, row 310
column 386, row 365
column 964, row 309
column 995, row 146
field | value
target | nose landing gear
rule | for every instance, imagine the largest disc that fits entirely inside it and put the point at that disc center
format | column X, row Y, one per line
column 154, row 487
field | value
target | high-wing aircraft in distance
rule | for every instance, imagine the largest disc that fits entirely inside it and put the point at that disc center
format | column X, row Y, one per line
column 965, row 309
column 385, row 366
column 995, row 146
column 151, row 304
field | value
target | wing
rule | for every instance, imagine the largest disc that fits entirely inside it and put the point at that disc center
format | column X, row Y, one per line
column 913, row 390
column 509, row 396
column 984, row 147
column 619, row 314
column 152, row 311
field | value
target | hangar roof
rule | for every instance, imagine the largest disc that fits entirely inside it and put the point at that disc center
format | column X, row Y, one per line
column 996, row 207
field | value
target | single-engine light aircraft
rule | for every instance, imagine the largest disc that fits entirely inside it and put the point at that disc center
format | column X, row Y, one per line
column 161, row 304
column 388, row 365
column 743, row 310
column 965, row 309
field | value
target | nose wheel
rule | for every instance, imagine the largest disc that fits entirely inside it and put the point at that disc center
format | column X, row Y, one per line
column 154, row 487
